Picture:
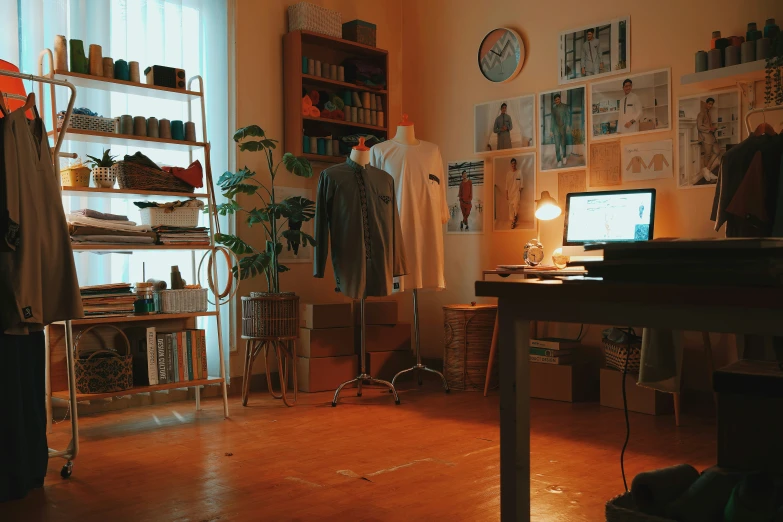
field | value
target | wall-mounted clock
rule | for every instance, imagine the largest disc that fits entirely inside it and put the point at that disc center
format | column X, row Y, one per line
column 501, row 55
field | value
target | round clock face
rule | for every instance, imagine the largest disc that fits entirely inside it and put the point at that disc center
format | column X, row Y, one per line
column 501, row 55
column 534, row 253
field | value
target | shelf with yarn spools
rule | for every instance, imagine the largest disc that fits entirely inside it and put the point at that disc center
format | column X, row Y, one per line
column 345, row 123
column 116, row 193
column 317, row 80
column 110, row 138
column 724, row 77
column 87, row 81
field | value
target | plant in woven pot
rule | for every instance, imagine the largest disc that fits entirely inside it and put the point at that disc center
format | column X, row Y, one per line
column 103, row 173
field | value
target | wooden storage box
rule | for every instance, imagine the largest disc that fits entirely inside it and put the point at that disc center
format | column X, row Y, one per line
column 316, row 316
column 640, row 399
column 577, row 382
column 325, row 373
column 383, row 338
column 385, row 365
column 359, row 31
column 310, row 17
column 376, row 312
column 325, row 342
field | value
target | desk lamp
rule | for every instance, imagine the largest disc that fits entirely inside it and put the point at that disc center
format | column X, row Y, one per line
column 546, row 210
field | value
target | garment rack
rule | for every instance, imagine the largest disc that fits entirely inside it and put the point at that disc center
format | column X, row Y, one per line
column 73, row 447
column 750, row 113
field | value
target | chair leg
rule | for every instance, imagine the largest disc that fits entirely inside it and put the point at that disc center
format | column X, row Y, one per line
column 492, row 352
column 705, row 336
column 676, row 397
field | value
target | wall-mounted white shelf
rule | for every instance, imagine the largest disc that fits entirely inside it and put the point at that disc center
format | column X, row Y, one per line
column 726, row 76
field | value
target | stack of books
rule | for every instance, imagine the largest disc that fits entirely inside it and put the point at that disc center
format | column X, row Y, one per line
column 170, row 357
column 112, row 300
column 198, row 236
column 552, row 351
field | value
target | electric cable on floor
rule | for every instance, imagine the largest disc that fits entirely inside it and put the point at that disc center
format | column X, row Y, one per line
column 625, row 410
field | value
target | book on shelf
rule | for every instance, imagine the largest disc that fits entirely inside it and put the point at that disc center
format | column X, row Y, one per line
column 546, row 352
column 168, row 357
column 161, row 356
column 553, row 343
column 174, row 356
column 564, row 359
column 152, row 356
column 189, row 341
column 204, row 371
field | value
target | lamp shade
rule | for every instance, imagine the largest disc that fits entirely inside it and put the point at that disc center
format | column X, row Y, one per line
column 547, row 207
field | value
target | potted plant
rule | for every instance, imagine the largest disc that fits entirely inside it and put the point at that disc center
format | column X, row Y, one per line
column 103, row 172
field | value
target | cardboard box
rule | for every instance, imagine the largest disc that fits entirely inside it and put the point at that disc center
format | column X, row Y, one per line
column 640, row 399
column 316, row 316
column 385, row 365
column 646, row 126
column 382, row 338
column 376, row 312
column 564, row 382
column 325, row 373
column 325, row 342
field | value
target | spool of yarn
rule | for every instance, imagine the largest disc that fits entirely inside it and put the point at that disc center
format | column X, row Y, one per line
column 325, row 70
column 153, row 130
column 108, row 68
column 177, row 130
column 329, row 150
column 736, row 40
column 374, row 117
column 748, row 53
column 715, row 38
column 705, row 499
column 96, row 60
column 367, row 117
column 753, row 33
column 335, row 148
column 79, row 62
column 722, row 43
column 139, row 126
column 378, row 102
column 134, row 73
column 318, row 67
column 158, row 284
column 333, row 72
column 763, row 48
column 313, row 145
column 321, row 146
column 121, row 71
column 304, row 64
column 310, row 66
column 60, row 53
column 341, row 73
column 732, row 55
column 347, row 98
column 347, row 112
column 701, row 61
column 653, row 491
column 714, row 59
column 771, row 29
column 381, row 119
column 305, row 144
column 373, row 102
column 360, row 114
column 354, row 115
column 117, row 125
column 355, row 101
column 164, row 129
column 366, row 100
column 190, row 131
column 126, row 124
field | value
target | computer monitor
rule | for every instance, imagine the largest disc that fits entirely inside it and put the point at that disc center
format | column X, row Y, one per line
column 610, row 216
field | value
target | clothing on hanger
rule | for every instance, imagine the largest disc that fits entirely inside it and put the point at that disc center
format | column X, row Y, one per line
column 420, row 187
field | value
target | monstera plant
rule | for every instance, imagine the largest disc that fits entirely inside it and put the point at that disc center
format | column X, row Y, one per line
column 280, row 219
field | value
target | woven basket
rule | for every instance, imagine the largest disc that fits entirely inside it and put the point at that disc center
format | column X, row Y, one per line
column 310, row 17
column 132, row 176
column 270, row 316
column 188, row 300
column 617, row 353
column 75, row 177
column 111, row 372
column 89, row 123
column 468, row 340
column 186, row 217
column 623, row 509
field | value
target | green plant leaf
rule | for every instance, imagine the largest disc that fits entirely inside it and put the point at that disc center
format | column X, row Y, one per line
column 308, row 239
column 251, row 266
column 282, row 268
column 275, row 209
column 236, row 245
column 269, row 143
column 298, row 236
column 298, row 209
column 297, row 166
column 230, row 207
column 251, row 131
column 257, row 216
column 230, row 179
column 276, row 245
column 252, row 146
column 241, row 188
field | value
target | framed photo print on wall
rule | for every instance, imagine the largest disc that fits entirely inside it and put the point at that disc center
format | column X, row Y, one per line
column 514, row 192
column 631, row 105
column 707, row 124
column 561, row 129
column 466, row 197
column 504, row 125
column 595, row 50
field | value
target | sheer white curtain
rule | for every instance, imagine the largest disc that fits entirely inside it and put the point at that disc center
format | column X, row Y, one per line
column 187, row 34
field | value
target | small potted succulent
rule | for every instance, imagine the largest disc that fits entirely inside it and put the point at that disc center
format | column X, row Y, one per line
column 103, row 172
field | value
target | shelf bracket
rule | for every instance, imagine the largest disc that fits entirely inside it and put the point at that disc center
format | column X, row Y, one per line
column 748, row 90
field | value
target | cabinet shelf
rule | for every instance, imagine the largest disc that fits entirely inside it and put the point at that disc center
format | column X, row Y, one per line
column 137, row 318
column 115, row 193
column 78, row 247
column 308, row 78
column 139, row 389
column 345, row 123
column 323, row 158
column 726, row 76
column 125, row 87
column 122, row 140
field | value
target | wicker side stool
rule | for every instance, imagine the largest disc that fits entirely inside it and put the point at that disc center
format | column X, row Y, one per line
column 270, row 321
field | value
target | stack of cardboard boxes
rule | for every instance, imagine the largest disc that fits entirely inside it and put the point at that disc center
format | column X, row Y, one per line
column 388, row 342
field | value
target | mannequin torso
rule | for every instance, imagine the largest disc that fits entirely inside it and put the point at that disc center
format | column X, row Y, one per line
column 405, row 134
column 362, row 157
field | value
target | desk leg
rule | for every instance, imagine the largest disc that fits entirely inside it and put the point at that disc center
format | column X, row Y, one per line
column 493, row 348
column 514, row 333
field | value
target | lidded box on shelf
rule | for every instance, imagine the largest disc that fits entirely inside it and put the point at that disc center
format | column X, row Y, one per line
column 359, row 31
column 305, row 16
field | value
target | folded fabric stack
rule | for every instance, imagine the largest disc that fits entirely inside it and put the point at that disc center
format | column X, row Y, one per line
column 93, row 227
column 197, row 236
column 107, row 300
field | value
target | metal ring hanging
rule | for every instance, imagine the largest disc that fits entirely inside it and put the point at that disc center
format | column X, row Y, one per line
column 230, row 289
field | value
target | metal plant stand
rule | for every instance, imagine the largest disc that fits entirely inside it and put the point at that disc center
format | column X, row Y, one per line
column 362, row 377
column 418, row 367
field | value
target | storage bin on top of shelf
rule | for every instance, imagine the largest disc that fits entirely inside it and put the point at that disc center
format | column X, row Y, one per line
column 310, row 17
column 186, row 217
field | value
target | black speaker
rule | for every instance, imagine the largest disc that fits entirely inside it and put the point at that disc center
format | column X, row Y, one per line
column 165, row 77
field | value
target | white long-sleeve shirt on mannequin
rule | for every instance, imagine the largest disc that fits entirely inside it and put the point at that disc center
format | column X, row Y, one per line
column 420, row 186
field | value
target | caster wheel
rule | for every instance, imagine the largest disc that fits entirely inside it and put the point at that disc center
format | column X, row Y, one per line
column 67, row 470
column 334, row 404
column 397, row 402
column 359, row 394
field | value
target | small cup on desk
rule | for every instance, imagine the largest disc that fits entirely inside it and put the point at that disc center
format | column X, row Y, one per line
column 178, row 130
column 139, row 126
column 153, row 130
column 126, row 124
column 190, row 131
column 164, row 129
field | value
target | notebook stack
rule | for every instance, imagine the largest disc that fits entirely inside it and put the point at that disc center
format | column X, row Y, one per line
column 197, row 236
column 112, row 300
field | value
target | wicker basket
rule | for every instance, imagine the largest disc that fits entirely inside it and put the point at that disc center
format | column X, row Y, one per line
column 89, row 123
column 468, row 340
column 270, row 316
column 623, row 509
column 310, row 17
column 132, row 176
column 617, row 353
column 75, row 177
column 184, row 301
column 186, row 217
column 111, row 372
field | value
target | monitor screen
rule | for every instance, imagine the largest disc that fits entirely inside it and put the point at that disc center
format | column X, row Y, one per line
column 611, row 216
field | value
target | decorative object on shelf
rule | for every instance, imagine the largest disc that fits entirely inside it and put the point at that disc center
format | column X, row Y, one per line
column 732, row 55
column 133, row 72
column 501, row 55
column 360, row 31
column 121, row 70
column 85, row 119
column 164, row 130
column 60, row 53
column 559, row 260
column 108, row 68
column 104, row 370
column 77, row 174
column 190, row 131
column 748, row 52
column 126, row 124
column 140, row 176
column 701, row 61
column 79, row 62
column 771, row 29
column 753, row 34
column 304, row 16
column 145, row 299
column 187, row 300
column 773, row 83
column 177, row 130
column 96, row 60
column 103, row 172
column 163, row 76
column 153, row 128
column 176, row 279
column 139, row 126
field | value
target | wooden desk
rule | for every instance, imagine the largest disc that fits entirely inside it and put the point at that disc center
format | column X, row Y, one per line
column 750, row 310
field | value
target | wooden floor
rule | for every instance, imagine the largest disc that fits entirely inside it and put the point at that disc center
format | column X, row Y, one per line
column 435, row 457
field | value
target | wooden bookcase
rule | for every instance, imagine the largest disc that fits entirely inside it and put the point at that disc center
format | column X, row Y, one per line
column 297, row 44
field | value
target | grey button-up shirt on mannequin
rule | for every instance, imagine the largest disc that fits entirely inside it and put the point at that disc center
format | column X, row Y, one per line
column 358, row 206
